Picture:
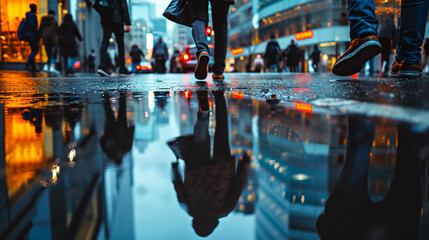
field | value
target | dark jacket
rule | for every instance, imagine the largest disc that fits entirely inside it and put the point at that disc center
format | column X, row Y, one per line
column 136, row 54
column 120, row 13
column 272, row 52
column 32, row 24
column 426, row 47
column 388, row 30
column 68, row 33
column 315, row 55
column 160, row 49
column 292, row 53
column 49, row 29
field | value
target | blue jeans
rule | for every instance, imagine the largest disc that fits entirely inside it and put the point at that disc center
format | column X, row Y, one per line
column 411, row 31
column 414, row 14
column 199, row 11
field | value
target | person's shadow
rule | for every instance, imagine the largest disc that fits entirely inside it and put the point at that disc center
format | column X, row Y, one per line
column 211, row 186
column 118, row 136
column 349, row 211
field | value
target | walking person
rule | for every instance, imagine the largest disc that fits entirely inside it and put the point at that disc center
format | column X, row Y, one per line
column 114, row 23
column 387, row 36
column 292, row 54
column 272, row 54
column 136, row 57
column 258, row 64
column 33, row 37
column 315, row 58
column 68, row 33
column 365, row 44
column 160, row 52
column 200, row 19
column 49, row 31
column 212, row 185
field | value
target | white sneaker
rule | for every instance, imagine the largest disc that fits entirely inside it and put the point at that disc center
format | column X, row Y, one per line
column 52, row 69
column 45, row 67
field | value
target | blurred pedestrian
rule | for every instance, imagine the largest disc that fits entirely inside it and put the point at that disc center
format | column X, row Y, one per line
column 272, row 54
column 68, row 33
column 160, row 53
column 33, row 37
column 114, row 23
column 49, row 31
column 200, row 18
column 91, row 61
column 293, row 54
column 212, row 185
column 426, row 54
column 315, row 58
column 136, row 57
column 258, row 64
column 173, row 62
column 365, row 44
column 387, row 37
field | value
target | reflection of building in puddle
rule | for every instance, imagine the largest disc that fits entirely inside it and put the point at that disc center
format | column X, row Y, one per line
column 300, row 159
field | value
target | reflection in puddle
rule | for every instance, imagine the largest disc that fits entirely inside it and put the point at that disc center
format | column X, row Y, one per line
column 102, row 168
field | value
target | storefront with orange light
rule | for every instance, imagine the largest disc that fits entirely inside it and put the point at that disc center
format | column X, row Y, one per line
column 13, row 51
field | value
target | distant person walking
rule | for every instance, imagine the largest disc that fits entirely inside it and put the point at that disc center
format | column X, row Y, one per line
column 160, row 53
column 49, row 31
column 33, row 37
column 272, row 55
column 387, row 37
column 114, row 23
column 200, row 19
column 365, row 44
column 91, row 61
column 292, row 54
column 136, row 57
column 315, row 58
column 68, row 46
column 258, row 64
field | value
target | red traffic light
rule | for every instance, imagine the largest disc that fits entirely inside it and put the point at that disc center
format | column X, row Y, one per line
column 209, row 30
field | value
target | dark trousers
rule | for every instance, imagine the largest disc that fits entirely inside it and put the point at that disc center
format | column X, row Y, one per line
column 293, row 67
column 118, row 30
column 201, row 139
column 34, row 45
column 50, row 51
column 160, row 64
column 315, row 66
column 386, row 49
column 199, row 11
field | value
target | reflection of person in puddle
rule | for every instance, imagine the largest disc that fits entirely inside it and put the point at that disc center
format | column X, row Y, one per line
column 211, row 187
column 349, row 211
column 118, row 136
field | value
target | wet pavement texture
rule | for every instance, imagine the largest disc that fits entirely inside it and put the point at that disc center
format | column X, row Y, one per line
column 273, row 156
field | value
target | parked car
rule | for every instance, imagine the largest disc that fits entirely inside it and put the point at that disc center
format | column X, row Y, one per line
column 187, row 61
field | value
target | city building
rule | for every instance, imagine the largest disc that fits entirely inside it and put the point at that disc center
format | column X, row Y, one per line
column 323, row 23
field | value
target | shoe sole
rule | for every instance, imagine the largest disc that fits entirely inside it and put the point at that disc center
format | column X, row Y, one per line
column 405, row 74
column 201, row 69
column 354, row 62
column 103, row 73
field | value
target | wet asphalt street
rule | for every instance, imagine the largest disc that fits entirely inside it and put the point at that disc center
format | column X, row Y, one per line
column 258, row 156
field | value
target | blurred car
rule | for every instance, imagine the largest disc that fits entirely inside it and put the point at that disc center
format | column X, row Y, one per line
column 187, row 60
column 144, row 67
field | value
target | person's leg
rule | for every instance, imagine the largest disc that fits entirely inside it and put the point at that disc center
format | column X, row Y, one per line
column 31, row 59
column 49, row 52
column 65, row 63
column 107, row 33
column 362, row 18
column 414, row 14
column 200, row 19
column 119, row 35
column 220, row 26
column 122, row 111
column 221, row 149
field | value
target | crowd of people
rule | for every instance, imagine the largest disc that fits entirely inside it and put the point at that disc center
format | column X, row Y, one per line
column 367, row 42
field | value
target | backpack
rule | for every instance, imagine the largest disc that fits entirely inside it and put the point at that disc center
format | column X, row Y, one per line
column 273, row 51
column 104, row 7
column 23, row 30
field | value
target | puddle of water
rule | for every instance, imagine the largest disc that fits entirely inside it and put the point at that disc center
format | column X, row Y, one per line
column 164, row 165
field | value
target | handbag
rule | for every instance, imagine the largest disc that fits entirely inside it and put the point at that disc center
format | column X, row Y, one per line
column 178, row 11
column 104, row 8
